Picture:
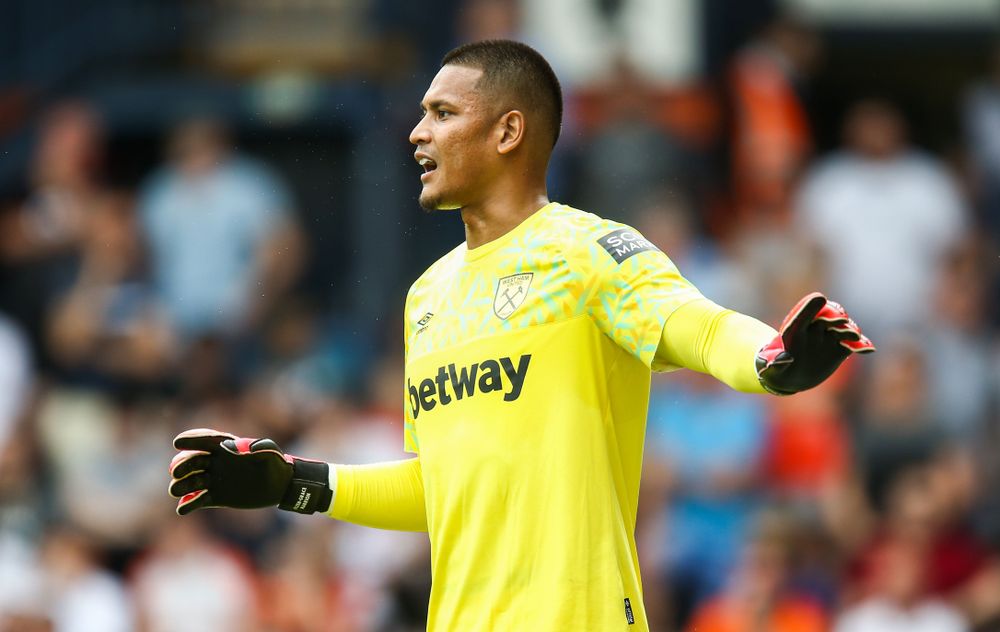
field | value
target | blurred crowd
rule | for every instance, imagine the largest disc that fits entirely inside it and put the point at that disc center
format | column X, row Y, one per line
column 129, row 313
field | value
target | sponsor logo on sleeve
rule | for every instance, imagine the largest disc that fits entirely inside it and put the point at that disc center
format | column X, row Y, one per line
column 625, row 242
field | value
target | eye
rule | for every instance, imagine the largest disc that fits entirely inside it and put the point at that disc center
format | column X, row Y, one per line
column 442, row 114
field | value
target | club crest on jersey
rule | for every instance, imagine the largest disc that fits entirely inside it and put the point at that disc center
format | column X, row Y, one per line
column 511, row 292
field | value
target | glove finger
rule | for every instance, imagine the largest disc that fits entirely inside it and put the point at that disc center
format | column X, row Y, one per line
column 840, row 335
column 781, row 359
column 862, row 345
column 797, row 321
column 833, row 312
column 205, row 439
column 188, row 462
column 807, row 307
column 195, row 500
column 246, row 445
column 180, row 487
column 852, row 334
column 774, row 369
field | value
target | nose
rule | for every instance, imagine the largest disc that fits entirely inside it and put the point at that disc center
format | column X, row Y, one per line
column 420, row 134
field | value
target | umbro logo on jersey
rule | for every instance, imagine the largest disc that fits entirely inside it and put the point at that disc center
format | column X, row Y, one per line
column 625, row 242
column 455, row 383
column 511, row 291
column 422, row 323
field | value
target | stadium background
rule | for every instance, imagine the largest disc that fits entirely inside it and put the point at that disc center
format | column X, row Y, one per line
column 208, row 218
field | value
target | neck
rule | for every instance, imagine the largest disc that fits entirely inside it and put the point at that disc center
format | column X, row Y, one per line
column 495, row 217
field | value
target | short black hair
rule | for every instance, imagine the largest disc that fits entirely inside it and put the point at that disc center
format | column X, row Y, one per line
column 515, row 70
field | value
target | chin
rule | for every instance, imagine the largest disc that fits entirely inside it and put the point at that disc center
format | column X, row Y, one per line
column 432, row 202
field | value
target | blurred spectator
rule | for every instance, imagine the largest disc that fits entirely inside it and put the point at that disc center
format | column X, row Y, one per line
column 981, row 120
column 61, row 587
column 191, row 582
column 925, row 534
column 897, row 427
column 20, row 485
column 109, row 330
column 299, row 591
column 224, row 243
column 65, row 181
column 771, row 135
column 489, row 19
column 898, row 601
column 965, row 372
column 923, row 488
column 107, row 458
column 704, row 451
column 884, row 214
column 410, row 42
column 23, row 605
column 39, row 239
column 584, row 39
column 758, row 596
column 630, row 155
column 82, row 596
column 303, row 361
column 16, row 377
column 669, row 220
column 808, row 447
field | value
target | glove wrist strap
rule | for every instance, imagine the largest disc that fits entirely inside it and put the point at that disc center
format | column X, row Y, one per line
column 309, row 490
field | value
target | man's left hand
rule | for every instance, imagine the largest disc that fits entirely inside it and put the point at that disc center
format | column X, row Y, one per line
column 814, row 339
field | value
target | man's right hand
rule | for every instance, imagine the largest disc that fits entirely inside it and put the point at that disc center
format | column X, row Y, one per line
column 218, row 469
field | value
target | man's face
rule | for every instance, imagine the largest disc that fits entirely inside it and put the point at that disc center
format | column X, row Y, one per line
column 876, row 130
column 453, row 140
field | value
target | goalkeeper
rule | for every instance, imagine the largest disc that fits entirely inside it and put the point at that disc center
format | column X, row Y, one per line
column 528, row 356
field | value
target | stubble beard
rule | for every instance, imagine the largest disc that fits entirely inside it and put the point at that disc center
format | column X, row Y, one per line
column 436, row 202
column 429, row 202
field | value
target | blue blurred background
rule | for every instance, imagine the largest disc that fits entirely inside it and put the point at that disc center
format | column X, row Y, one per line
column 208, row 218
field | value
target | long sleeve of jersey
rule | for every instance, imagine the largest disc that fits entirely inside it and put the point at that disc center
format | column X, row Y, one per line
column 386, row 495
column 705, row 337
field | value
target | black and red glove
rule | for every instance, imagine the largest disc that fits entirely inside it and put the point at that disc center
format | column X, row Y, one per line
column 815, row 337
column 217, row 469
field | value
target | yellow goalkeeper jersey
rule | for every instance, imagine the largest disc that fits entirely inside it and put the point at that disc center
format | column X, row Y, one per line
column 527, row 382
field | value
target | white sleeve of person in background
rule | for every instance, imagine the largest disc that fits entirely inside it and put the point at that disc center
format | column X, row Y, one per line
column 881, row 615
column 15, row 376
column 96, row 601
column 657, row 37
column 950, row 223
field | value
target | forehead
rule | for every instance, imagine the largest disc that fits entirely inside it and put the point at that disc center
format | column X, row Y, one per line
column 454, row 84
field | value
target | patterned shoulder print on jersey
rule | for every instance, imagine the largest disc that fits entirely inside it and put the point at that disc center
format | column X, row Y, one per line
column 468, row 298
column 573, row 272
column 633, row 287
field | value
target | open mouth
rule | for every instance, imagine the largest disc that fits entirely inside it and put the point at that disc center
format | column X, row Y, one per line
column 429, row 167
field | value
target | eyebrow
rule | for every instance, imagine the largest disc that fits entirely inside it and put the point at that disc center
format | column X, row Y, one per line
column 436, row 104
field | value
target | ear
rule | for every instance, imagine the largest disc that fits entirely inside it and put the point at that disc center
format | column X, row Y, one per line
column 511, row 127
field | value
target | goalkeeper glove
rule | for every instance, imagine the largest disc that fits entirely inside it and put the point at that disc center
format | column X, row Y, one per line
column 217, row 469
column 815, row 337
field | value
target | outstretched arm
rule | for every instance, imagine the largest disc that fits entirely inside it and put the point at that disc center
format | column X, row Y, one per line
column 218, row 469
column 382, row 495
column 707, row 338
column 815, row 338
